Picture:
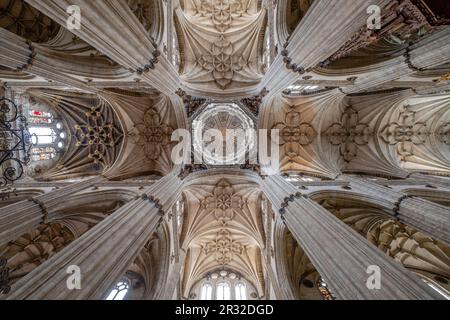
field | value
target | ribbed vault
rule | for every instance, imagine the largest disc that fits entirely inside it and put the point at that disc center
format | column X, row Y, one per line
column 222, row 229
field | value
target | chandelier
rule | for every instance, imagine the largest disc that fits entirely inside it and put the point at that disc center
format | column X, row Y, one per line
column 15, row 142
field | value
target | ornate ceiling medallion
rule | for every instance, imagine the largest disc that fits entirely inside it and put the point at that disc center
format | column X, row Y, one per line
column 223, row 203
column 349, row 134
column 222, row 62
column 153, row 135
column 405, row 134
column 294, row 133
column 224, row 247
column 228, row 118
column 221, row 12
column 97, row 134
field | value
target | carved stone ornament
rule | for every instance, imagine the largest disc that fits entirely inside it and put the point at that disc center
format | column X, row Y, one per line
column 223, row 247
column 153, row 135
column 224, row 202
column 349, row 134
column 405, row 134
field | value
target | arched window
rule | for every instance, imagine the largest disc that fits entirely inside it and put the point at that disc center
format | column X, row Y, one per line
column 119, row 291
column 240, row 291
column 47, row 139
column 47, row 133
column 223, row 291
column 43, row 135
column 206, row 293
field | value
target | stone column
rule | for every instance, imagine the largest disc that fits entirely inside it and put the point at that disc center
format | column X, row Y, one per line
column 326, row 27
column 339, row 253
column 427, row 53
column 24, row 216
column 426, row 216
column 104, row 253
column 173, row 279
column 169, row 30
column 18, row 54
column 272, row 278
column 433, row 180
column 121, row 37
column 270, row 7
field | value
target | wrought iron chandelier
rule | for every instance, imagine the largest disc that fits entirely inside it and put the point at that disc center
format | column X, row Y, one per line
column 15, row 142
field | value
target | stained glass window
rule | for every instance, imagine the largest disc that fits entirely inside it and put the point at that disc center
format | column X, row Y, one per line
column 40, row 117
column 44, row 135
column 206, row 292
column 41, row 154
column 46, row 131
column 240, row 291
column 119, row 291
column 224, row 285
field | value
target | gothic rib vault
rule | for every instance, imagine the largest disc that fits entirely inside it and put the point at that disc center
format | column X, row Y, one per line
column 364, row 149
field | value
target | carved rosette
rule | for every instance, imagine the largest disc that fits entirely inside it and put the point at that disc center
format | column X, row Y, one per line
column 405, row 134
column 222, row 63
column 223, row 203
column 294, row 133
column 98, row 135
column 153, row 135
column 223, row 247
column 349, row 134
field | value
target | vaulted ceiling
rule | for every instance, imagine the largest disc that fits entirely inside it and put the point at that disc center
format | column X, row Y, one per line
column 373, row 102
column 222, row 228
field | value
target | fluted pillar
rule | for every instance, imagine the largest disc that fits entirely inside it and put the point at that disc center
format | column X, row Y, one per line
column 433, row 180
column 426, row 53
column 272, row 280
column 18, row 54
column 24, row 216
column 173, row 279
column 324, row 29
column 339, row 253
column 426, row 216
column 104, row 253
column 121, row 37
